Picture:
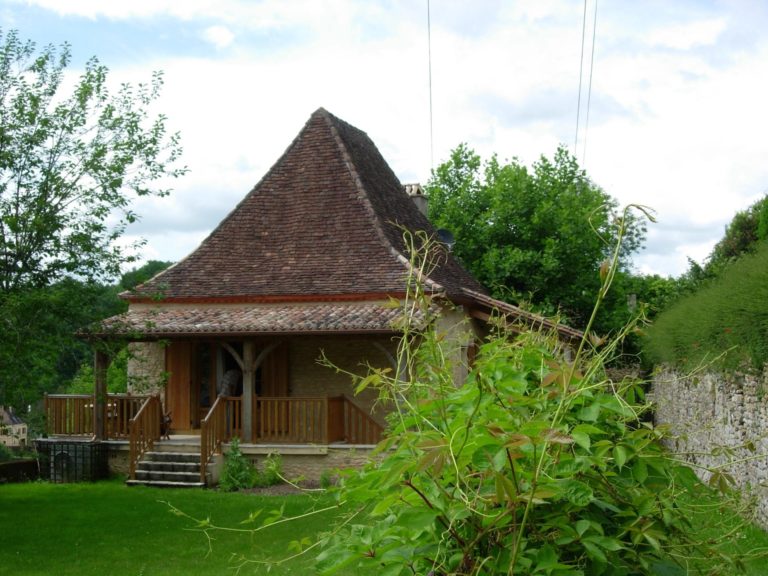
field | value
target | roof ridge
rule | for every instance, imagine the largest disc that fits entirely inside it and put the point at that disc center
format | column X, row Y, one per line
column 128, row 294
column 363, row 196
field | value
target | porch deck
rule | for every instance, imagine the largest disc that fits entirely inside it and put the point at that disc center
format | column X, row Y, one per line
column 289, row 425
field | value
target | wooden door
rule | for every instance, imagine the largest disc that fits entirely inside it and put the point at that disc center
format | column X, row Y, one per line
column 178, row 363
column 274, row 373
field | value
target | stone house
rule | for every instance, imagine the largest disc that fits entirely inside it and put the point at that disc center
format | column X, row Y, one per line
column 13, row 430
column 307, row 265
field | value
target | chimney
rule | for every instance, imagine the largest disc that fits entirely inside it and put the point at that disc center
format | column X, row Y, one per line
column 417, row 195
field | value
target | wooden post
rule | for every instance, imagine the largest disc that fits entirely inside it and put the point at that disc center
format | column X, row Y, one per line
column 249, row 379
column 101, row 362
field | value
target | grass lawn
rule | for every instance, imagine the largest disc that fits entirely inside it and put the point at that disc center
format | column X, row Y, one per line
column 108, row 528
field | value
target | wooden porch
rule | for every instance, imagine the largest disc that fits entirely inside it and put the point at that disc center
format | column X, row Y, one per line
column 317, row 420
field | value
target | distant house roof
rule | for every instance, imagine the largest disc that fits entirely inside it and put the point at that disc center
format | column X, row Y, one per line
column 8, row 418
column 327, row 219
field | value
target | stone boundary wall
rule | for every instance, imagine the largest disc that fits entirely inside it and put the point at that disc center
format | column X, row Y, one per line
column 708, row 412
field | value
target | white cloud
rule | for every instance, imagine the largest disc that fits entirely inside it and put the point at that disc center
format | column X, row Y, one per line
column 689, row 35
column 127, row 10
column 671, row 126
column 219, row 36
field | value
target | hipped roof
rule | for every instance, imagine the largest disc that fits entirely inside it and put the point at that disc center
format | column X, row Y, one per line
column 316, row 246
column 326, row 220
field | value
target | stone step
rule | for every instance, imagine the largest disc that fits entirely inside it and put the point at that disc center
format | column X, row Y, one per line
column 165, row 484
column 185, row 477
column 154, row 466
column 182, row 448
column 188, row 457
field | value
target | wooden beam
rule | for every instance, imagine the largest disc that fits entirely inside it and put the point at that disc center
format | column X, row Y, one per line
column 235, row 355
column 249, row 378
column 100, row 362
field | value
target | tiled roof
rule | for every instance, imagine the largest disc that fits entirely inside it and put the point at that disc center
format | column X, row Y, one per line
column 251, row 319
column 517, row 314
column 8, row 418
column 327, row 219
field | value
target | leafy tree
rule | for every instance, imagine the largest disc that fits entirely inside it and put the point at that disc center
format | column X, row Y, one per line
column 539, row 234
column 73, row 157
column 741, row 236
column 137, row 276
column 117, row 376
column 38, row 347
column 71, row 161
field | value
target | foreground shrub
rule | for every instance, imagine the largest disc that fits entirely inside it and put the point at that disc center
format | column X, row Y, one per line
column 533, row 466
column 537, row 464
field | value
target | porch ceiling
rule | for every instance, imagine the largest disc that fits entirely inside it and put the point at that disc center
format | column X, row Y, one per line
column 316, row 317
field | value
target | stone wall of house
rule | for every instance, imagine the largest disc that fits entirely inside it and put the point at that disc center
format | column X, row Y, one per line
column 311, row 467
column 352, row 355
column 709, row 411
column 456, row 334
column 146, row 367
column 118, row 458
column 308, row 463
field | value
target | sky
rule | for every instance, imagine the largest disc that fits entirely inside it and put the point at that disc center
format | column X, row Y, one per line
column 676, row 120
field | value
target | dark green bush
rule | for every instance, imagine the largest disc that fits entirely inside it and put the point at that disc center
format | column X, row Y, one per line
column 5, row 453
column 729, row 313
column 240, row 473
column 272, row 473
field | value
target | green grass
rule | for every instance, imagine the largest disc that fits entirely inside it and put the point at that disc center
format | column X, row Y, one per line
column 108, row 528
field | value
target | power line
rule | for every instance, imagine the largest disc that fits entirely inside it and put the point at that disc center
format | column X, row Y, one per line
column 589, row 90
column 429, row 53
column 581, row 74
column 581, row 78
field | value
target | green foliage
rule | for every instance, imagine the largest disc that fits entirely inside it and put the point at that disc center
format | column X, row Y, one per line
column 538, row 235
column 5, row 453
column 537, row 464
column 117, row 376
column 327, row 478
column 729, row 313
column 241, row 474
column 71, row 162
column 533, row 466
column 742, row 235
column 272, row 473
column 39, row 351
column 137, row 276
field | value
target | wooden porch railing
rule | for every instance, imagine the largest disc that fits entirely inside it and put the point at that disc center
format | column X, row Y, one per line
column 295, row 419
column 358, row 425
column 69, row 414
column 223, row 421
column 120, row 409
column 144, row 431
column 72, row 414
column 313, row 420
